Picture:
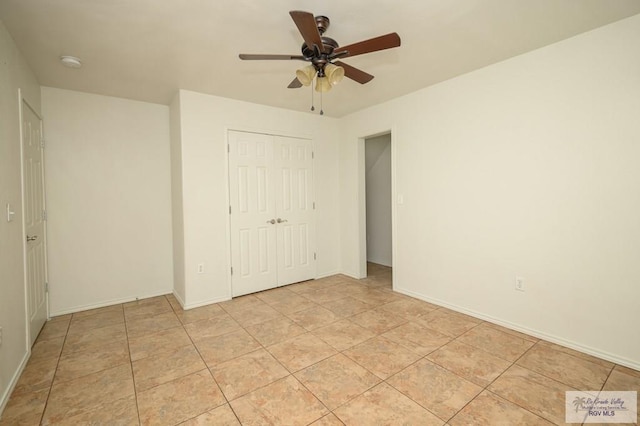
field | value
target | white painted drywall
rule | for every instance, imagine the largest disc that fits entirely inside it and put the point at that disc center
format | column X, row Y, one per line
column 378, row 195
column 14, row 74
column 109, row 199
column 204, row 121
column 177, row 215
column 529, row 167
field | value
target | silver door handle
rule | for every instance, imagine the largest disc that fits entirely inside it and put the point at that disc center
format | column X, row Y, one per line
column 272, row 221
column 282, row 220
column 35, row 237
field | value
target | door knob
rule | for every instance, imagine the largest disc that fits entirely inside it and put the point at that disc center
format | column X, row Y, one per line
column 35, row 237
column 272, row 221
column 282, row 220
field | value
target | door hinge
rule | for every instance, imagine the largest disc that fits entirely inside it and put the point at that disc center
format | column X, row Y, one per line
column 314, row 205
column 44, row 215
column 42, row 143
column 313, row 155
column 46, row 287
column 232, row 270
column 229, row 209
column 315, row 257
column 228, row 148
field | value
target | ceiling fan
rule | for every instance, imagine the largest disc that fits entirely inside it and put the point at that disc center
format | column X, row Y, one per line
column 323, row 54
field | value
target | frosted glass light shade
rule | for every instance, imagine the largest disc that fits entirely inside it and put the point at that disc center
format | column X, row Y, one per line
column 305, row 75
column 322, row 84
column 334, row 73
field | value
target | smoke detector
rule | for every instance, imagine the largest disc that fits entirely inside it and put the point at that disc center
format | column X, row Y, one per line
column 71, row 61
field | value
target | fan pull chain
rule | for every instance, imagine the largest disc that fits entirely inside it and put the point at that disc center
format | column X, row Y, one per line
column 321, row 110
column 312, row 107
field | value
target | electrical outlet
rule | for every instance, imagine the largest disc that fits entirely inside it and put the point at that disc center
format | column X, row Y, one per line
column 201, row 268
column 519, row 283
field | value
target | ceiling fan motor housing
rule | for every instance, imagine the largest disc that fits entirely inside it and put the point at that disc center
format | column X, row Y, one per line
column 323, row 23
column 319, row 56
column 329, row 45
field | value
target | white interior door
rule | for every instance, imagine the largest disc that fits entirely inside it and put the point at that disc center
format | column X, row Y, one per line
column 252, row 199
column 295, row 210
column 271, row 208
column 34, row 223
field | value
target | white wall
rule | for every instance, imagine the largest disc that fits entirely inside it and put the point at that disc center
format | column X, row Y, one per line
column 204, row 122
column 108, row 198
column 378, row 196
column 529, row 168
column 176, row 201
column 14, row 74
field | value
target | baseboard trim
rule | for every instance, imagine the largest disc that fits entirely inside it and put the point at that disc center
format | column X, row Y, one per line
column 179, row 299
column 326, row 274
column 532, row 332
column 105, row 303
column 188, row 306
column 355, row 277
column 13, row 382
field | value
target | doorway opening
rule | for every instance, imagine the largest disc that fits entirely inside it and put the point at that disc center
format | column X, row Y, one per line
column 379, row 210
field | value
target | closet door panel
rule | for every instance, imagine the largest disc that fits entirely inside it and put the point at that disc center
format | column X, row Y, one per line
column 294, row 208
column 252, row 213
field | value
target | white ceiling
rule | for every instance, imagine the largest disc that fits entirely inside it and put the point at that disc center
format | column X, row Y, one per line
column 148, row 49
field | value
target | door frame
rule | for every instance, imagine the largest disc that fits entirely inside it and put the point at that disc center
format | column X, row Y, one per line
column 271, row 132
column 21, row 102
column 362, row 203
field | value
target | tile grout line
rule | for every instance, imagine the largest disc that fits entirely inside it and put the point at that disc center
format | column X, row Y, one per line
column 486, row 388
column 500, row 375
column 535, row 372
column 341, row 352
column 44, row 409
column 133, row 377
column 555, row 379
column 440, row 366
column 307, row 331
column 195, row 346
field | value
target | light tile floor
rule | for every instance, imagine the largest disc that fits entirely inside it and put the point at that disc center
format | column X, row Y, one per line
column 326, row 352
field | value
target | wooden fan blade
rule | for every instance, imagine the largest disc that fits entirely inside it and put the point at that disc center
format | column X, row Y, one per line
column 308, row 28
column 251, row 57
column 354, row 73
column 295, row 84
column 387, row 41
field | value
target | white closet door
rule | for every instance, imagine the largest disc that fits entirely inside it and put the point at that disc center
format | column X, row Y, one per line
column 293, row 165
column 252, row 199
column 272, row 212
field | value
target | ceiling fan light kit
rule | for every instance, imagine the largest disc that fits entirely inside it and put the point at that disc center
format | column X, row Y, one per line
column 322, row 84
column 323, row 54
column 331, row 76
column 334, row 73
column 306, row 75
